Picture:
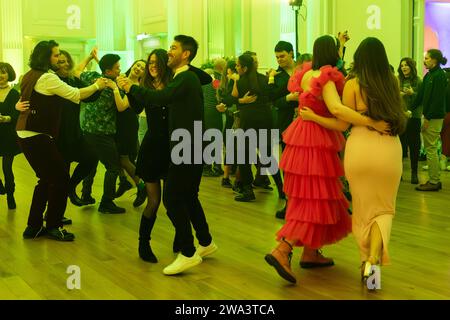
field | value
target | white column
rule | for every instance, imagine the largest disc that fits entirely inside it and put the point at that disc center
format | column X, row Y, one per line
column 419, row 29
column 104, row 10
column 12, row 34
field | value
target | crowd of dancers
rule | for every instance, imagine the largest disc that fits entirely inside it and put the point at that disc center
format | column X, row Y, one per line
column 65, row 114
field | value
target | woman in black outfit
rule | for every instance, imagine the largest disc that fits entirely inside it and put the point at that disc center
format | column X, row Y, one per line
column 154, row 155
column 8, row 136
column 127, row 140
column 256, row 115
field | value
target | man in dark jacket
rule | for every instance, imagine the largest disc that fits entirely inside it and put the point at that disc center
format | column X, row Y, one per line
column 432, row 96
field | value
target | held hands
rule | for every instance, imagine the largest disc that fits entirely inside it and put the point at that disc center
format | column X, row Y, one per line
column 94, row 54
column 111, row 84
column 221, row 108
column 22, row 106
column 343, row 37
column 247, row 99
column 124, row 83
column 102, row 83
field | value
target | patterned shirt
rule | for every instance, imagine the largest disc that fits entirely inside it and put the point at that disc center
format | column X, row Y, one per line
column 99, row 116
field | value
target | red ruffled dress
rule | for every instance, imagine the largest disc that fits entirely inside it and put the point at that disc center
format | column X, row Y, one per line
column 317, row 212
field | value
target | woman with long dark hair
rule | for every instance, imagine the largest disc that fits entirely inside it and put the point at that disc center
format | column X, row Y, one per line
column 154, row 154
column 373, row 161
column 256, row 115
column 316, row 209
column 410, row 83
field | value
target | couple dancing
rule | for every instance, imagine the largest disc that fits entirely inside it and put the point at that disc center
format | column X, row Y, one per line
column 317, row 210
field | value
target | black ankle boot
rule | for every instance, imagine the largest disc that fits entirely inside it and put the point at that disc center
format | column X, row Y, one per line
column 281, row 214
column 11, row 201
column 145, row 229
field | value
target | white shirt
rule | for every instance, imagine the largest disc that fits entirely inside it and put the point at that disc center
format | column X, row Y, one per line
column 49, row 84
column 180, row 70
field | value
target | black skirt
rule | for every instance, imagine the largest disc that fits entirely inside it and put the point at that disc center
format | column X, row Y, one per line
column 154, row 158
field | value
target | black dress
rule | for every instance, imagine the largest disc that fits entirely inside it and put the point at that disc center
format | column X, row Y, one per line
column 154, row 154
column 8, row 135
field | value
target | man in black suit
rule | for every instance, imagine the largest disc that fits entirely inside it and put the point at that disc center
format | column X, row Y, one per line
column 184, row 98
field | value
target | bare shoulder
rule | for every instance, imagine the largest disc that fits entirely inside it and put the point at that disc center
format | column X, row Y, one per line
column 352, row 84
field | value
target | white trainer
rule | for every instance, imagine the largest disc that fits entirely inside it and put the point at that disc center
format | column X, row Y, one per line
column 182, row 263
column 206, row 251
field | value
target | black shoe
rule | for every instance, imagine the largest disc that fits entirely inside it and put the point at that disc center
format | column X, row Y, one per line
column 146, row 253
column 32, row 233
column 75, row 199
column 226, row 183
column 247, row 195
column 141, row 196
column 87, row 198
column 414, row 178
column 11, row 201
column 2, row 188
column 60, row 234
column 66, row 221
column 281, row 214
column 110, row 207
column 124, row 186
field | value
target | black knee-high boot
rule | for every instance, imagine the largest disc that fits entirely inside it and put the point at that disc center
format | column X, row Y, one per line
column 279, row 182
column 145, row 229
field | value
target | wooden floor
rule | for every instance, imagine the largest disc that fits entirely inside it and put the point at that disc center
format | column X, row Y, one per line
column 106, row 252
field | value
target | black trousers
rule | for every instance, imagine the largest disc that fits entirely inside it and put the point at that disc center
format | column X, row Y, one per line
column 411, row 140
column 180, row 197
column 7, row 163
column 105, row 149
column 87, row 160
column 254, row 120
column 51, row 191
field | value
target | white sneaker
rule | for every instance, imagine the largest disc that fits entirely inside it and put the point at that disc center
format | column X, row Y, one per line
column 206, row 251
column 425, row 167
column 182, row 263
